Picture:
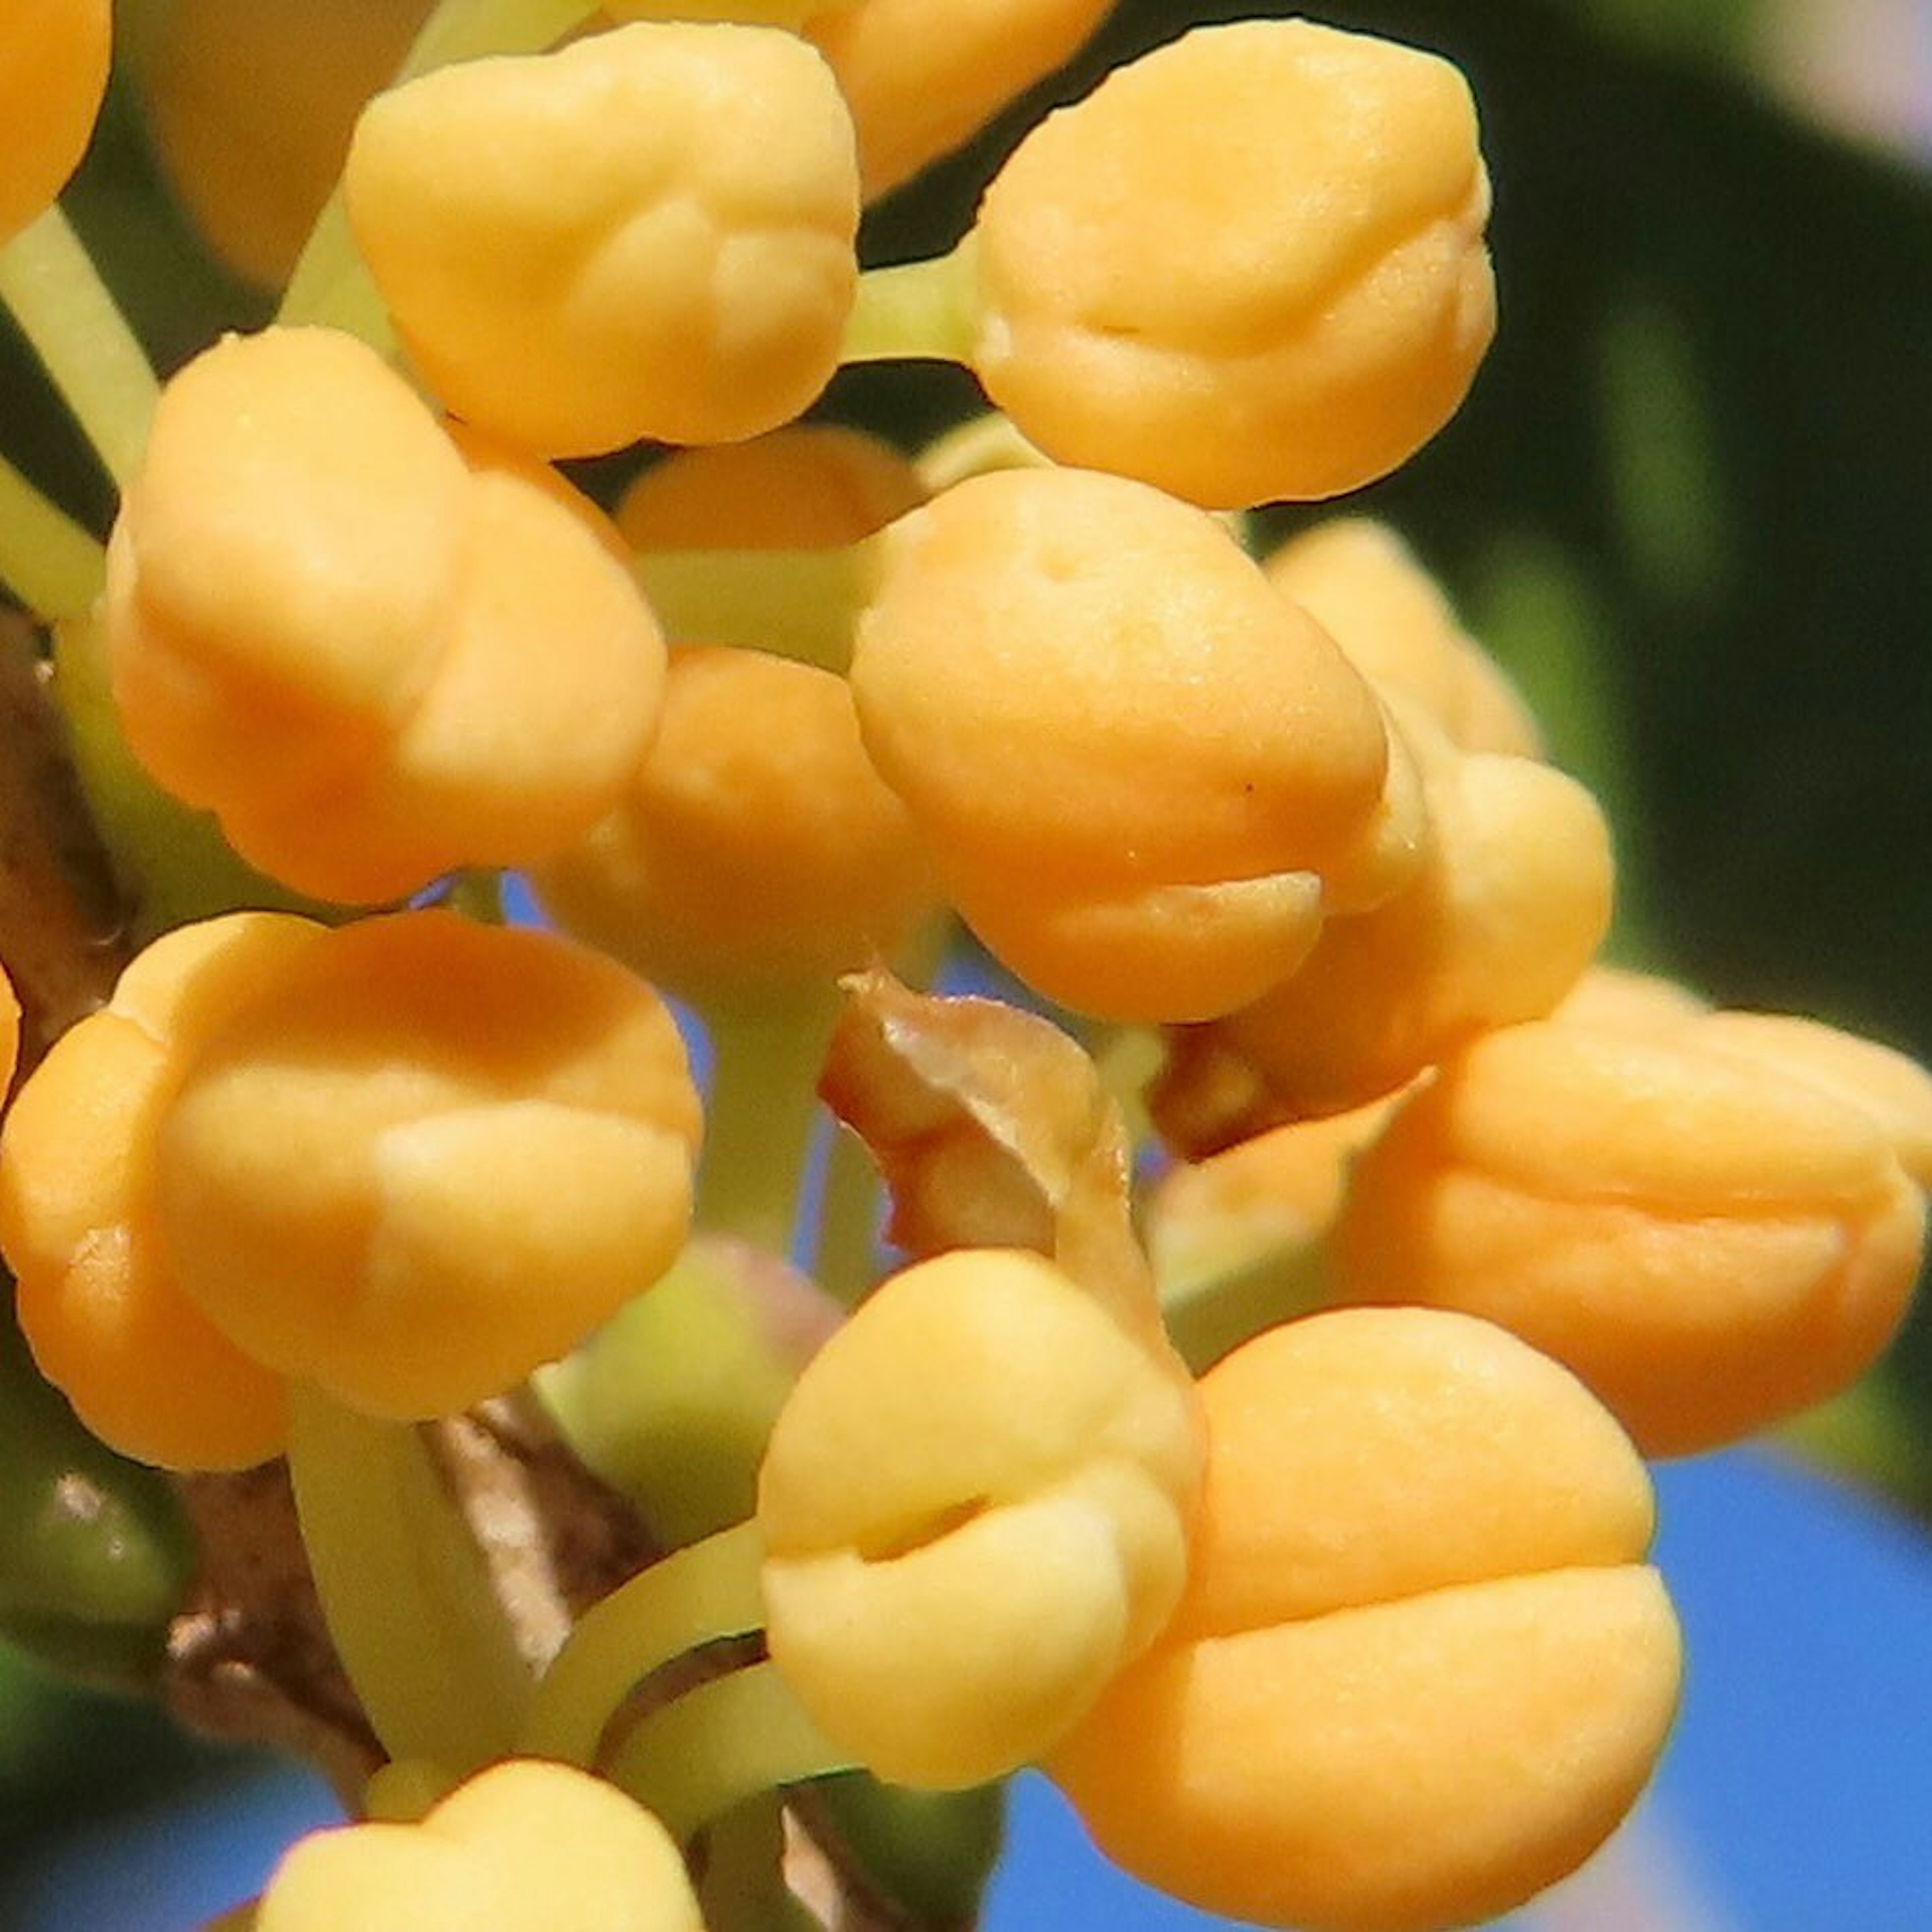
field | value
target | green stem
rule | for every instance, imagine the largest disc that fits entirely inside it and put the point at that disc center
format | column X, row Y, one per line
column 404, row 1588
column 719, row 1744
column 799, row 604
column 461, row 30
column 49, row 281
column 928, row 309
column 692, row 1597
column 405, row 1791
column 765, row 1057
column 845, row 1261
column 1211, row 1317
column 52, row 565
column 331, row 286
column 173, row 862
column 478, row 893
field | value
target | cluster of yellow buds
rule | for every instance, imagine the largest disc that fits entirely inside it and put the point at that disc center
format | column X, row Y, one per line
column 1297, row 1525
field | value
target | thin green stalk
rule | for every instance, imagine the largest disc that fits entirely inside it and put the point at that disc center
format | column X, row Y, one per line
column 845, row 1261
column 928, row 310
column 405, row 1791
column 798, row 604
column 1213, row 1316
column 461, row 30
column 76, row 327
column 174, row 862
column 404, row 1588
column 52, row 565
column 766, row 1056
column 478, row 894
column 707, row 1591
column 716, row 1746
column 331, row 286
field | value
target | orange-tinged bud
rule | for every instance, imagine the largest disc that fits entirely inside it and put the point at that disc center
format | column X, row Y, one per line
column 922, row 79
column 756, row 846
column 426, row 1157
column 1895, row 1090
column 647, row 233
column 1419, row 1671
column 10, row 1031
column 374, row 653
column 409, row 1160
column 1362, row 585
column 1133, row 760
column 1711, row 1241
column 53, row 71
column 1249, row 266
column 1513, row 897
column 524, row 1846
column 975, row 1507
column 807, row 486
column 98, row 1299
column 1616, row 998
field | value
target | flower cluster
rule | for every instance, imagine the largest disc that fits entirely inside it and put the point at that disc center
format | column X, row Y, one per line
column 1293, row 1519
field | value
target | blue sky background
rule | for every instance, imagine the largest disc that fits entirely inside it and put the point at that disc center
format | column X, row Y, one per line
column 1796, row 1797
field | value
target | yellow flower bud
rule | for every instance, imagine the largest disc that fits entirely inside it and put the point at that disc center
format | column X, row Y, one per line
column 98, row 1301
column 409, row 1160
column 1362, row 584
column 922, row 80
column 1512, row 898
column 1249, row 266
column 1712, row 1242
column 1895, row 1091
column 1616, row 998
column 808, row 486
column 1419, row 1671
column 53, row 71
column 10, row 1031
column 756, row 847
column 975, row 1507
column 375, row 653
column 648, row 233
column 1138, row 767
column 524, row 1846
column 426, row 1157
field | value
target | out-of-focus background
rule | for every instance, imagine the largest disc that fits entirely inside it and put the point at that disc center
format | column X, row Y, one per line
column 1691, row 503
